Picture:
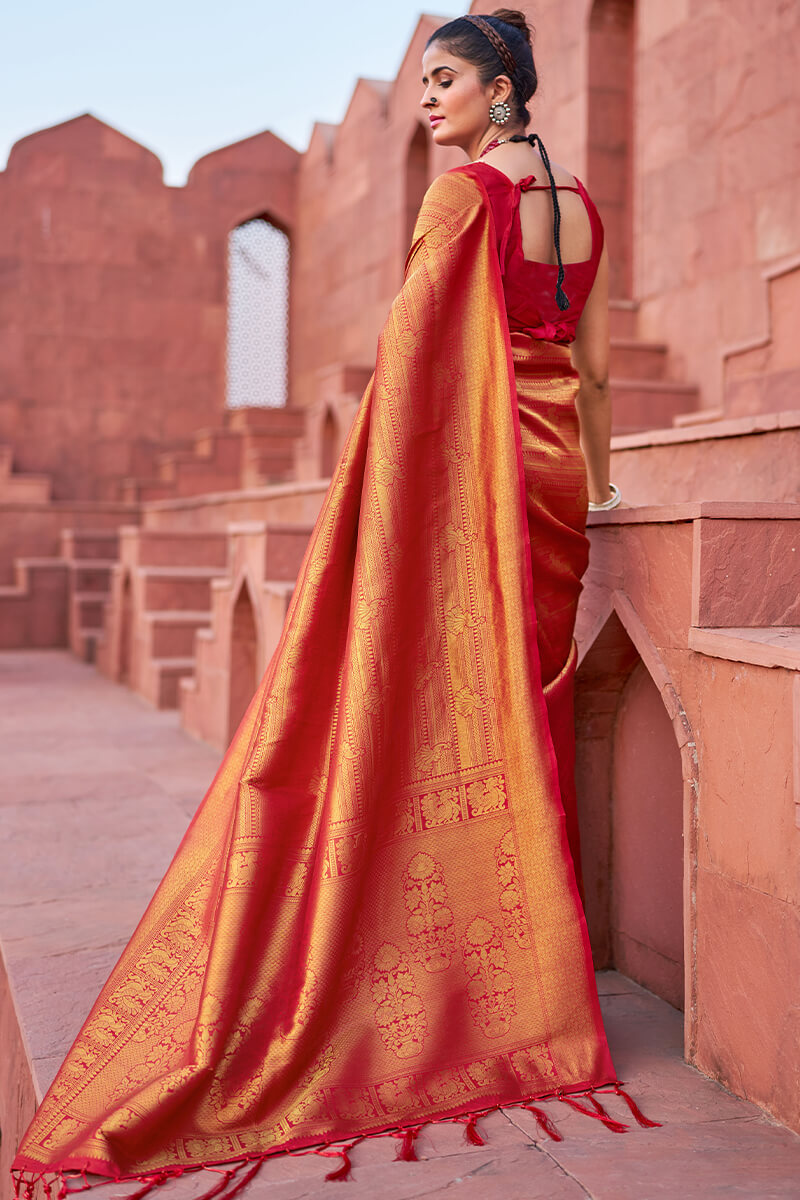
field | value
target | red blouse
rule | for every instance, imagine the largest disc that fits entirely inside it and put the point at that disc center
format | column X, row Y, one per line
column 530, row 286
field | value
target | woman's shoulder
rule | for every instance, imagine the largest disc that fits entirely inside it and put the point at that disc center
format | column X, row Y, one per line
column 517, row 160
column 455, row 193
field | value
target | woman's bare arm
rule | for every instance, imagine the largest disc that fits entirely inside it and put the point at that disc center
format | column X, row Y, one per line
column 590, row 359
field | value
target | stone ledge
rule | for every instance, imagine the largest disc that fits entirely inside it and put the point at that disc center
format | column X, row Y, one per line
column 765, row 646
column 692, row 510
column 709, row 430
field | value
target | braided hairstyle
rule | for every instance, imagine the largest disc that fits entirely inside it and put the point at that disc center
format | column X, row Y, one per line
column 509, row 52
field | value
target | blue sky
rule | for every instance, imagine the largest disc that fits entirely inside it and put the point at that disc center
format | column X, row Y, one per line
column 185, row 78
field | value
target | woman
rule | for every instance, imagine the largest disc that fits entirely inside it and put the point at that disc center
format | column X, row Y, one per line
column 374, row 920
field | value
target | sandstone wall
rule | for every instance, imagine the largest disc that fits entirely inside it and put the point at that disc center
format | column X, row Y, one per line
column 112, row 296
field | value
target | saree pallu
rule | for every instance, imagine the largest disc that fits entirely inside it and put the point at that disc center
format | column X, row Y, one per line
column 373, row 920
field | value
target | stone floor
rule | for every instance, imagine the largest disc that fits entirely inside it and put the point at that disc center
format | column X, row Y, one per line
column 96, row 789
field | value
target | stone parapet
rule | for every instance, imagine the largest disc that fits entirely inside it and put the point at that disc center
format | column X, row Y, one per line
column 687, row 711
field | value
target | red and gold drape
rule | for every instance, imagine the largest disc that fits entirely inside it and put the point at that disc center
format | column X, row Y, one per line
column 373, row 918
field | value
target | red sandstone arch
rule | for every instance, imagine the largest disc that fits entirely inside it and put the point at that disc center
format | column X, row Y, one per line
column 610, row 132
column 244, row 673
column 636, row 776
column 125, row 648
column 416, row 177
column 329, row 444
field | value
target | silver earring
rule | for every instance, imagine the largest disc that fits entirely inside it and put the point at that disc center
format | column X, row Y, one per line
column 500, row 112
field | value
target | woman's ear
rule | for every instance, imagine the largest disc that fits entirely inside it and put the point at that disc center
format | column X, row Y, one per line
column 501, row 89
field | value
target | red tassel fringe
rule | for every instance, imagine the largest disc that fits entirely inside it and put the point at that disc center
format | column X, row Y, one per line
column 598, row 1112
column 234, row 1179
column 635, row 1110
column 406, row 1151
column 342, row 1172
column 544, row 1122
column 471, row 1132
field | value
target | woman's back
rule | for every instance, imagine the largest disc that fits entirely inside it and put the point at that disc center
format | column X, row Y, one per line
column 517, row 186
column 519, row 160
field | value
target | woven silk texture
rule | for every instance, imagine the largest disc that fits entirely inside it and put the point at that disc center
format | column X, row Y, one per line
column 374, row 917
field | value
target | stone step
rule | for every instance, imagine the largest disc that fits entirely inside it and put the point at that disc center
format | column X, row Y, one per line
column 263, row 467
column 222, row 446
column 175, row 548
column 90, row 574
column 187, row 588
column 101, row 545
column 87, row 609
column 134, row 491
column 168, row 672
column 171, row 633
column 632, row 359
column 33, row 610
column 642, row 404
column 284, row 422
column 623, row 317
column 23, row 488
column 703, row 462
column 275, row 443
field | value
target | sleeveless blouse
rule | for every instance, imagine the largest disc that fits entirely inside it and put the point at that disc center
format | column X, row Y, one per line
column 530, row 286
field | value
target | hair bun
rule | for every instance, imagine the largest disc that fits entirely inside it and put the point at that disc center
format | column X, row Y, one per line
column 512, row 16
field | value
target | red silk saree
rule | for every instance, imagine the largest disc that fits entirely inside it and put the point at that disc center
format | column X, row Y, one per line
column 373, row 920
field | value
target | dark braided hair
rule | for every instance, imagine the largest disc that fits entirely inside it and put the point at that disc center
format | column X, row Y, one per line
column 561, row 297
column 500, row 44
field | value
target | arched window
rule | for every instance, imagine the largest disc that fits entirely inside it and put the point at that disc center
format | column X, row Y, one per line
column 416, row 179
column 329, row 445
column 258, row 315
column 244, row 676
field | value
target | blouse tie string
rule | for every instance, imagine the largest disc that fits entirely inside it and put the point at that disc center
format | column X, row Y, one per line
column 532, row 138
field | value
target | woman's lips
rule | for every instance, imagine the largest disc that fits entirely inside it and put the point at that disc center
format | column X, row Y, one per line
column 435, row 120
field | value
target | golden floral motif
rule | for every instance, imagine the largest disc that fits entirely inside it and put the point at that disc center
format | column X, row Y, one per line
column 398, row 1095
column 490, row 990
column 309, row 1108
column 231, row 1094
column 353, row 1103
column 482, row 1073
column 511, row 904
column 444, row 1086
column 430, row 921
column 400, row 1015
